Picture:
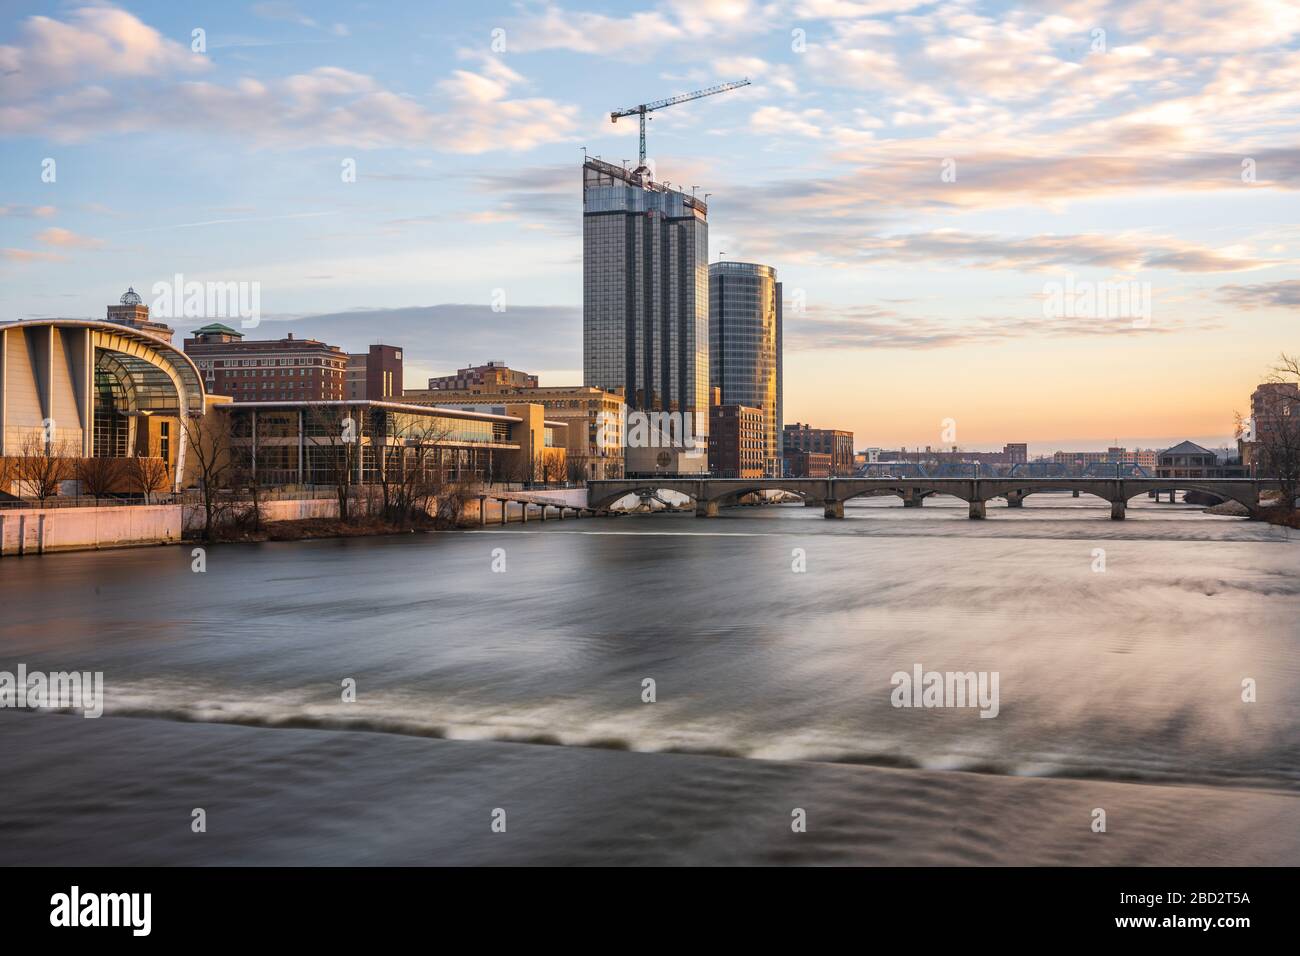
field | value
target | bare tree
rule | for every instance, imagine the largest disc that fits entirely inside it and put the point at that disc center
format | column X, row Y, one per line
column 209, row 447
column 338, row 439
column 414, row 478
column 551, row 467
column 99, row 477
column 575, row 470
column 147, row 474
column 41, row 466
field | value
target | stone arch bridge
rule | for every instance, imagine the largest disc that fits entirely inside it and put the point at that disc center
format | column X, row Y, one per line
column 709, row 494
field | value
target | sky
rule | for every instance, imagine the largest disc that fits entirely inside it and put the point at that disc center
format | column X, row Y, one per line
column 942, row 187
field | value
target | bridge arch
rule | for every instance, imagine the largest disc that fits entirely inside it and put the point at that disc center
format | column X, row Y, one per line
column 631, row 488
column 1024, row 491
column 901, row 491
column 1247, row 498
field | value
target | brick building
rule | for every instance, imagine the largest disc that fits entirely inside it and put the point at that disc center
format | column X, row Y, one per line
column 738, row 442
column 807, row 464
column 376, row 374
column 267, row 370
column 836, row 443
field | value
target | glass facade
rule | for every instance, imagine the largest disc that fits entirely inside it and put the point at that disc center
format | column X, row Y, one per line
column 645, row 292
column 745, row 346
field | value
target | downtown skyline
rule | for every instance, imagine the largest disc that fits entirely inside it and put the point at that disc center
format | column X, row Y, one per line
column 921, row 298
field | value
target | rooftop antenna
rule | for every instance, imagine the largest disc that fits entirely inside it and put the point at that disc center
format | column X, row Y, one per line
column 641, row 110
column 693, row 188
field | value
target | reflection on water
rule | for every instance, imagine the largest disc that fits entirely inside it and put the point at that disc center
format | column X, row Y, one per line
column 1134, row 672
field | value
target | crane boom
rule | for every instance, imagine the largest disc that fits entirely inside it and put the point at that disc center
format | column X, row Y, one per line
column 644, row 108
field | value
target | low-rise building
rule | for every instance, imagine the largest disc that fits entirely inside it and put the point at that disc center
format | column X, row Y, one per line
column 1189, row 460
column 835, row 442
column 493, row 376
column 305, row 443
column 595, row 419
column 808, row 464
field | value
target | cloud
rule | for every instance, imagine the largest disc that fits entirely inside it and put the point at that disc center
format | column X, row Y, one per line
column 1121, row 252
column 286, row 12
column 28, row 255
column 871, row 327
column 66, row 239
column 1284, row 294
column 639, row 35
column 28, row 212
column 95, row 41
column 76, row 69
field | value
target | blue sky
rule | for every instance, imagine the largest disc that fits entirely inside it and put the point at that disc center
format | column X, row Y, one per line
column 1100, row 142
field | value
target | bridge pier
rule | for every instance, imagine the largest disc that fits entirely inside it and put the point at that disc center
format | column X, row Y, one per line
column 977, row 510
column 1015, row 499
column 1075, row 493
column 914, row 500
column 1117, row 509
column 706, row 509
column 834, row 509
column 482, row 511
column 502, row 503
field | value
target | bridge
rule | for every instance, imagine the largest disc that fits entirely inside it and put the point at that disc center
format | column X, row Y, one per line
column 710, row 494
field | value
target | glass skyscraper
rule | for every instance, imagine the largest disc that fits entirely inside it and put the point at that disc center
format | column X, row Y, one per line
column 645, row 292
column 745, row 345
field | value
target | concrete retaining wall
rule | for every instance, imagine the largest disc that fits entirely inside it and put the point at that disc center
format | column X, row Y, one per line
column 37, row 530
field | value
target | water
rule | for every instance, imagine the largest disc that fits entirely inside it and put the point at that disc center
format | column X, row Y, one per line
column 1133, row 673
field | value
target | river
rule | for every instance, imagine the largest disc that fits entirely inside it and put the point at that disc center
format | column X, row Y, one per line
column 509, row 669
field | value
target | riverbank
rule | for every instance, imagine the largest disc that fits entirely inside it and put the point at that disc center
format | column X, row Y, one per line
column 126, row 790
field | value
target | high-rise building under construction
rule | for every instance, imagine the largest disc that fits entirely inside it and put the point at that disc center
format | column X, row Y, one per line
column 645, row 297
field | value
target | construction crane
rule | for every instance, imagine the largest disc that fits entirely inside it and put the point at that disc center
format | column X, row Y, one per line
column 671, row 101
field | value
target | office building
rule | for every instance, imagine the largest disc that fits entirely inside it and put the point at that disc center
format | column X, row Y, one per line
column 745, row 346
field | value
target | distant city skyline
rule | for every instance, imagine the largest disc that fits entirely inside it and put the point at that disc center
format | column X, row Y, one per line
column 922, row 175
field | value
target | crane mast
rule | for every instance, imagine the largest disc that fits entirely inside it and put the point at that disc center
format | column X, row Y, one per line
column 645, row 108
